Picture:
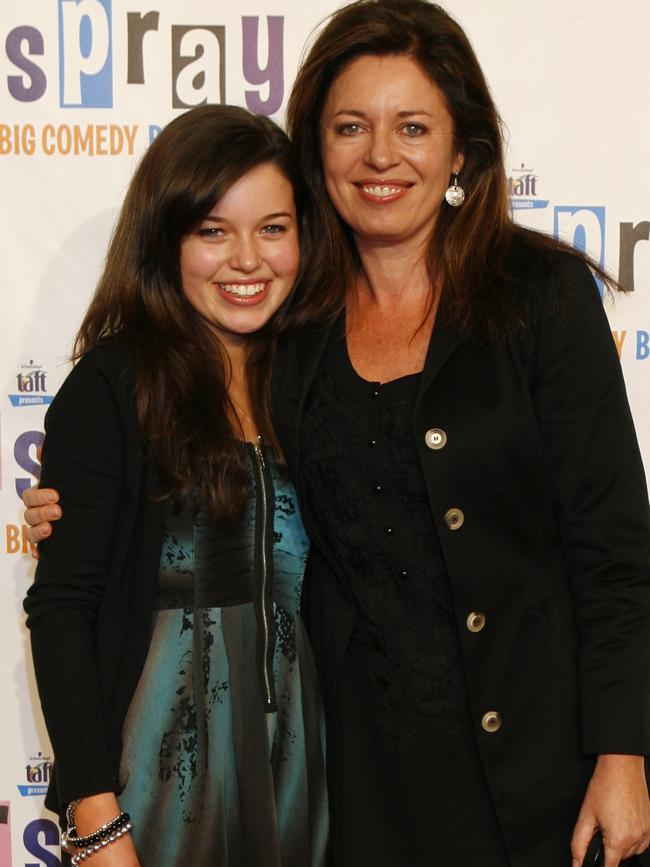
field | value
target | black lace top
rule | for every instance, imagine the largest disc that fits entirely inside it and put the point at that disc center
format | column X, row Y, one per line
column 361, row 470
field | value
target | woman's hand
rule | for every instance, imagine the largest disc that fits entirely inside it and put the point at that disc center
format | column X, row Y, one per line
column 42, row 507
column 617, row 802
column 93, row 812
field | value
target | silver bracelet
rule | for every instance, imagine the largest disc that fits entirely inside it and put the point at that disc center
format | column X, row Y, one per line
column 103, row 836
column 72, row 838
column 80, row 857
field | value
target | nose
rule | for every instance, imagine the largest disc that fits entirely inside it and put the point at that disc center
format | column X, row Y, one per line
column 381, row 152
column 245, row 255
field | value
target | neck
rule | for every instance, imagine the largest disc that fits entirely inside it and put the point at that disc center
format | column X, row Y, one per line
column 237, row 349
column 237, row 353
column 392, row 276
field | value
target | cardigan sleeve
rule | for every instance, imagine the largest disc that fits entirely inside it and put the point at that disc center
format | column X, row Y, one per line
column 83, row 460
column 593, row 466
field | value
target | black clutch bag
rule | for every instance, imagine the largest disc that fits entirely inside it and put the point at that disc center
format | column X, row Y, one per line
column 595, row 856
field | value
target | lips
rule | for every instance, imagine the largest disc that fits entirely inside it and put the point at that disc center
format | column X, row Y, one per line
column 247, row 293
column 243, row 290
column 383, row 190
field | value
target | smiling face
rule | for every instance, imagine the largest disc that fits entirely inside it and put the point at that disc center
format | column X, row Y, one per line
column 240, row 263
column 388, row 150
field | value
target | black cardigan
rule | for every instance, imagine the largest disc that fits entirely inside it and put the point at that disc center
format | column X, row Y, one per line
column 96, row 575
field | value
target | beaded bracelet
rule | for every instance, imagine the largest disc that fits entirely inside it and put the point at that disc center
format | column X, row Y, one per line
column 80, row 857
column 96, row 836
column 108, row 833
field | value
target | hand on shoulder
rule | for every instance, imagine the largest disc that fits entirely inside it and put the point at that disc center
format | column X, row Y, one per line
column 41, row 508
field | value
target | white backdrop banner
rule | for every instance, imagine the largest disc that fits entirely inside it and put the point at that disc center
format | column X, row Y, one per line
column 85, row 85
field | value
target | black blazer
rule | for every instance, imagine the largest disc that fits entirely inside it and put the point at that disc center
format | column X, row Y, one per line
column 542, row 461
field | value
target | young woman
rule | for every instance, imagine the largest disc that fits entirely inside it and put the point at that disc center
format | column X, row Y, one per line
column 175, row 677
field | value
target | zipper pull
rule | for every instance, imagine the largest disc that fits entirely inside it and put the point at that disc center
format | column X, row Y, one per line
column 258, row 452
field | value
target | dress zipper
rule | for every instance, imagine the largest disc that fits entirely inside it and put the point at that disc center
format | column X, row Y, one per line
column 266, row 610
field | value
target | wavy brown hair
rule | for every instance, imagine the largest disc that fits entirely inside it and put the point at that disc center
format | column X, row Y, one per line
column 181, row 367
column 469, row 255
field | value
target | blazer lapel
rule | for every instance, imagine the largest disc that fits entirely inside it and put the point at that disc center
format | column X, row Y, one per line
column 293, row 372
column 295, row 367
column 445, row 340
column 309, row 351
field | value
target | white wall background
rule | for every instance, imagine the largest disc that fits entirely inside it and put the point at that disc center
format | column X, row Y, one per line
column 570, row 77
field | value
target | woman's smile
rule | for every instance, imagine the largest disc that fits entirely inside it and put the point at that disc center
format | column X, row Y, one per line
column 244, row 291
column 382, row 191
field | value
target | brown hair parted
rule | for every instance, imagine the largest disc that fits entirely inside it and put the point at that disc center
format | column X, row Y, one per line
column 181, row 368
column 469, row 252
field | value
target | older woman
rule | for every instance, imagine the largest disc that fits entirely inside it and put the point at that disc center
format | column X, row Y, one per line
column 479, row 598
column 457, row 425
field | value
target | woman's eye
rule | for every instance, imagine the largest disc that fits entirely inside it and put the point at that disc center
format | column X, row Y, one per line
column 413, row 129
column 274, row 229
column 348, row 129
column 210, row 232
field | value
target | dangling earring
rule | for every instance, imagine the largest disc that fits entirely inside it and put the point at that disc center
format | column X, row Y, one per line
column 455, row 195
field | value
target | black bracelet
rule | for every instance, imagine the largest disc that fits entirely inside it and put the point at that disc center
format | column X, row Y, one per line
column 81, row 856
column 69, row 837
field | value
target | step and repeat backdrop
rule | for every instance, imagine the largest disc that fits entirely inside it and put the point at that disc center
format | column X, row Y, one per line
column 85, row 86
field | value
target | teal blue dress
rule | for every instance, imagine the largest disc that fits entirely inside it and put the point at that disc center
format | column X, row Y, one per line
column 223, row 753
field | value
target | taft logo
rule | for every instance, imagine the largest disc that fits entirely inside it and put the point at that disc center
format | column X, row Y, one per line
column 85, row 54
column 31, row 382
column 523, row 190
column 38, row 771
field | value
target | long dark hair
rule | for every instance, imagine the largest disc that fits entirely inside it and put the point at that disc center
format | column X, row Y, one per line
column 181, row 368
column 469, row 253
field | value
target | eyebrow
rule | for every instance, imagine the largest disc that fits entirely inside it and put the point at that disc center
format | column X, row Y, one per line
column 407, row 113
column 215, row 218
